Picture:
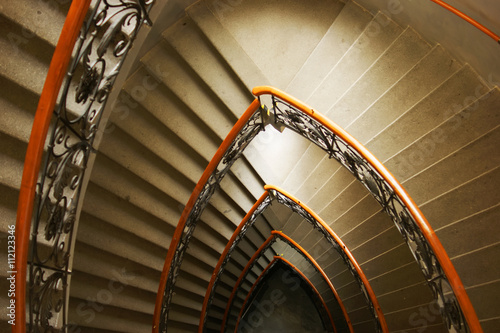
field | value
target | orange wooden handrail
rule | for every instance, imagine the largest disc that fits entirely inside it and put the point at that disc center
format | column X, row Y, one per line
column 296, row 269
column 223, row 255
column 364, row 279
column 468, row 19
column 321, row 271
column 55, row 76
column 252, row 289
column 242, row 275
column 192, row 199
column 429, row 234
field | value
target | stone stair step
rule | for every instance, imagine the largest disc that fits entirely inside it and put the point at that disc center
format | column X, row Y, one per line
column 434, row 69
column 170, row 69
column 189, row 42
column 33, row 17
column 378, row 35
column 274, row 24
column 408, row 48
column 471, row 122
column 24, row 61
column 343, row 32
column 103, row 292
column 471, row 159
column 429, row 110
column 18, row 109
column 110, row 318
column 226, row 45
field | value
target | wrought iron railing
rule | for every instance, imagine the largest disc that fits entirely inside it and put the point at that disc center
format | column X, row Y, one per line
column 301, row 251
column 439, row 272
column 287, row 112
column 86, row 62
column 248, row 221
column 317, row 223
column 269, row 241
column 251, row 262
column 286, row 199
column 109, row 32
column 245, row 129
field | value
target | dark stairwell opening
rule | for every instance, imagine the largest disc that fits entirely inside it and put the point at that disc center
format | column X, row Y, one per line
column 283, row 302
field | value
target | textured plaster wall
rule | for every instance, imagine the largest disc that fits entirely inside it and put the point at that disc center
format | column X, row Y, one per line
column 462, row 40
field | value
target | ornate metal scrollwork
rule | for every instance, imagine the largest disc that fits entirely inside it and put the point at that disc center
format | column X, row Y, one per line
column 286, row 201
column 250, row 222
column 249, row 268
column 253, row 126
column 294, row 119
column 285, row 115
column 105, row 38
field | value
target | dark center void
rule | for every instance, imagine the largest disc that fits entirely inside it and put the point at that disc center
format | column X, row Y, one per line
column 283, row 302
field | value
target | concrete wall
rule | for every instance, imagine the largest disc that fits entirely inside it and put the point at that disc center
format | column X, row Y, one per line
column 436, row 24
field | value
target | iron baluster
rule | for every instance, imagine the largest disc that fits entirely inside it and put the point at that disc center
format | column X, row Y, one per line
column 104, row 41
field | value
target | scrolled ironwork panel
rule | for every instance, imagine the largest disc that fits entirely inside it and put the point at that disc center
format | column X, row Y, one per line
column 286, row 201
column 238, row 285
column 251, row 221
column 299, row 122
column 105, row 39
column 252, row 127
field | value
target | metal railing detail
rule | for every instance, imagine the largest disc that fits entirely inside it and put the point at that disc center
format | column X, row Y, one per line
column 441, row 276
column 240, row 232
column 287, row 112
column 317, row 223
column 251, row 262
column 301, row 251
column 98, row 54
column 247, row 127
column 274, row 193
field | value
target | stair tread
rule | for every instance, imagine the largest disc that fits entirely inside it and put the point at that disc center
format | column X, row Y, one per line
column 274, row 23
column 433, row 69
column 189, row 42
column 345, row 29
column 226, row 45
column 191, row 91
column 33, row 15
column 379, row 34
column 25, row 69
column 399, row 58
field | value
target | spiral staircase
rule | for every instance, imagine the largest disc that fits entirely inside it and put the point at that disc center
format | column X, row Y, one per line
column 430, row 119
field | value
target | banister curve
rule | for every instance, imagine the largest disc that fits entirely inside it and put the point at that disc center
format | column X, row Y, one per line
column 55, row 76
column 302, row 275
column 229, row 245
column 369, row 290
column 290, row 241
column 428, row 233
column 299, row 248
column 249, row 264
column 290, row 113
column 248, row 221
column 202, row 186
column 468, row 19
